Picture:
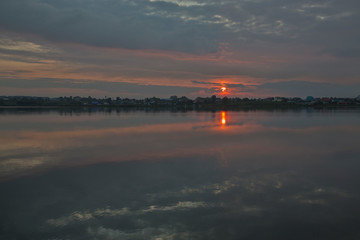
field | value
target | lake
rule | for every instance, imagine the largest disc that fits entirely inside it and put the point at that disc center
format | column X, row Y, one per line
column 134, row 174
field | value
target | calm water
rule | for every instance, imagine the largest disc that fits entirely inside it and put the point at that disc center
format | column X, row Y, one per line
column 104, row 174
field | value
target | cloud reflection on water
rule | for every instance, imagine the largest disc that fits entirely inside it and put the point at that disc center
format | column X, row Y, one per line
column 272, row 173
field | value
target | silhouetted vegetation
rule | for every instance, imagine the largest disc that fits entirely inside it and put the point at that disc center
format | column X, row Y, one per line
column 183, row 102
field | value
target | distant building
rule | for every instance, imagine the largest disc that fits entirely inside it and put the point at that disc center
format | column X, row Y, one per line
column 326, row 100
column 174, row 98
column 309, row 98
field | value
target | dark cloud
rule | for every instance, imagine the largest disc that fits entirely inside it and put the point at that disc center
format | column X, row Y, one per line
column 110, row 24
column 110, row 88
column 222, row 84
column 238, row 85
column 303, row 88
column 190, row 26
column 203, row 82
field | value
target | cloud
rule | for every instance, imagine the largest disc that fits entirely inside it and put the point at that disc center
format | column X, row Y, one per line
column 305, row 88
column 179, row 206
column 79, row 216
column 189, row 26
column 21, row 46
column 82, row 216
column 203, row 82
column 80, row 87
column 181, row 43
column 11, row 166
column 216, row 87
column 163, row 232
column 112, row 24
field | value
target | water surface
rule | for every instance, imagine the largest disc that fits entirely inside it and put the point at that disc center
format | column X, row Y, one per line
column 115, row 174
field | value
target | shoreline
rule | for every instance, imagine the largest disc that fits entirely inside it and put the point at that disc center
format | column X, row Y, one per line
column 206, row 107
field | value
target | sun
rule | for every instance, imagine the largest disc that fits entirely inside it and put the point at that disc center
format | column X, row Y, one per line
column 223, row 89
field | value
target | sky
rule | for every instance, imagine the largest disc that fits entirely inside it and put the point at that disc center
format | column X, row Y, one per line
column 145, row 48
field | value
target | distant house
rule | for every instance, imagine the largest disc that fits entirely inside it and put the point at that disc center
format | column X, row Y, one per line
column 309, row 98
column 325, row 100
column 200, row 100
column 279, row 99
column 174, row 98
column 269, row 99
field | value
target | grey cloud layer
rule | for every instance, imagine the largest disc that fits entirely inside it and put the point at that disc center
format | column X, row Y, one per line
column 111, row 23
column 190, row 26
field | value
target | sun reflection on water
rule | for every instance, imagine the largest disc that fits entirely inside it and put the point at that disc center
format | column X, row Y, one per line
column 223, row 118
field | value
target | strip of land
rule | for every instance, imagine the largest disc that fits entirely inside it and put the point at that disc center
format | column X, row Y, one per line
column 212, row 102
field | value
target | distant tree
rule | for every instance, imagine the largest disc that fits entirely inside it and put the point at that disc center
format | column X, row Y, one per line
column 225, row 100
column 173, row 98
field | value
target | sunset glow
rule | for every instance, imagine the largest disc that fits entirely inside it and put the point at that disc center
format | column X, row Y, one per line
column 208, row 52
